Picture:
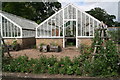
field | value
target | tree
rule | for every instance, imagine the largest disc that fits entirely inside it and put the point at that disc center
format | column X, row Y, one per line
column 36, row 11
column 117, row 24
column 102, row 15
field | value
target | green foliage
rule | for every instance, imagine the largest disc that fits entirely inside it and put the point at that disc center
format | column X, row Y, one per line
column 70, row 43
column 70, row 70
column 17, row 65
column 107, row 58
column 15, row 46
column 62, row 70
column 51, row 61
column 34, row 46
column 78, row 71
column 85, row 48
column 97, row 41
column 102, row 15
column 117, row 24
column 42, row 44
column 39, row 68
column 54, row 69
column 36, row 11
column 54, row 44
column 114, row 35
column 14, row 42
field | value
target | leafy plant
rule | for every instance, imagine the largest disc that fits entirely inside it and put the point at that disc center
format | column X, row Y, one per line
column 15, row 45
column 78, row 71
column 54, row 44
column 42, row 44
column 51, row 61
column 85, row 48
column 114, row 35
column 106, row 60
column 70, row 43
column 70, row 70
column 14, row 42
column 62, row 70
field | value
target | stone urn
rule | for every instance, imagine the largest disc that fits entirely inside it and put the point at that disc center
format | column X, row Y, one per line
column 55, row 48
column 43, row 48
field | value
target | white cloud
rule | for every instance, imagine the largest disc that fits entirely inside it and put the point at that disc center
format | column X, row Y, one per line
column 87, row 6
column 68, row 1
column 109, row 6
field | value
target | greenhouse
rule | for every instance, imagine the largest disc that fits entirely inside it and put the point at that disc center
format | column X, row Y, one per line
column 17, row 28
column 70, row 24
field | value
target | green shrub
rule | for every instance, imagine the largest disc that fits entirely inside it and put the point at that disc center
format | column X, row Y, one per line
column 50, row 70
column 52, row 60
column 15, row 46
column 56, row 68
column 106, row 62
column 17, row 65
column 86, row 68
column 78, row 71
column 85, row 49
column 64, row 63
column 37, row 68
column 31, row 65
column 76, row 62
column 62, row 70
column 42, row 44
column 70, row 70
column 14, row 42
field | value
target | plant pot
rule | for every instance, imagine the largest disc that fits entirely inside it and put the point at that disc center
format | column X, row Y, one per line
column 55, row 48
column 43, row 48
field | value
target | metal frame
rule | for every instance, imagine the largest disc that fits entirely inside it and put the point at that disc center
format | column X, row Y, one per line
column 16, row 30
column 69, row 13
column 13, row 23
column 63, row 31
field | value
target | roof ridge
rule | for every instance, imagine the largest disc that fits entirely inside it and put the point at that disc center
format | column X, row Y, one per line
column 17, row 16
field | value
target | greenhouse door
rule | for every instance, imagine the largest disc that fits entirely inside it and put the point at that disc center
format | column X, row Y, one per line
column 69, row 33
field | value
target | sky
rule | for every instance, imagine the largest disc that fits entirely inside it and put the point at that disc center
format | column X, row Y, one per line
column 111, row 6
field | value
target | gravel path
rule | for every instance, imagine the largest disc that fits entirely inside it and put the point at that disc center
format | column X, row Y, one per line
column 34, row 53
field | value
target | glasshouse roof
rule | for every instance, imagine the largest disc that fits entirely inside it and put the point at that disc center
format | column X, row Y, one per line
column 22, row 22
column 66, row 10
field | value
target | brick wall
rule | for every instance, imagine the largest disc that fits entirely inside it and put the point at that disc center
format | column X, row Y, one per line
column 48, row 41
column 9, row 41
column 86, row 41
column 24, row 42
column 28, row 42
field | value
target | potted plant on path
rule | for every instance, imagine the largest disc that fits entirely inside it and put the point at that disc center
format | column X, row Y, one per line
column 43, row 47
column 55, row 47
